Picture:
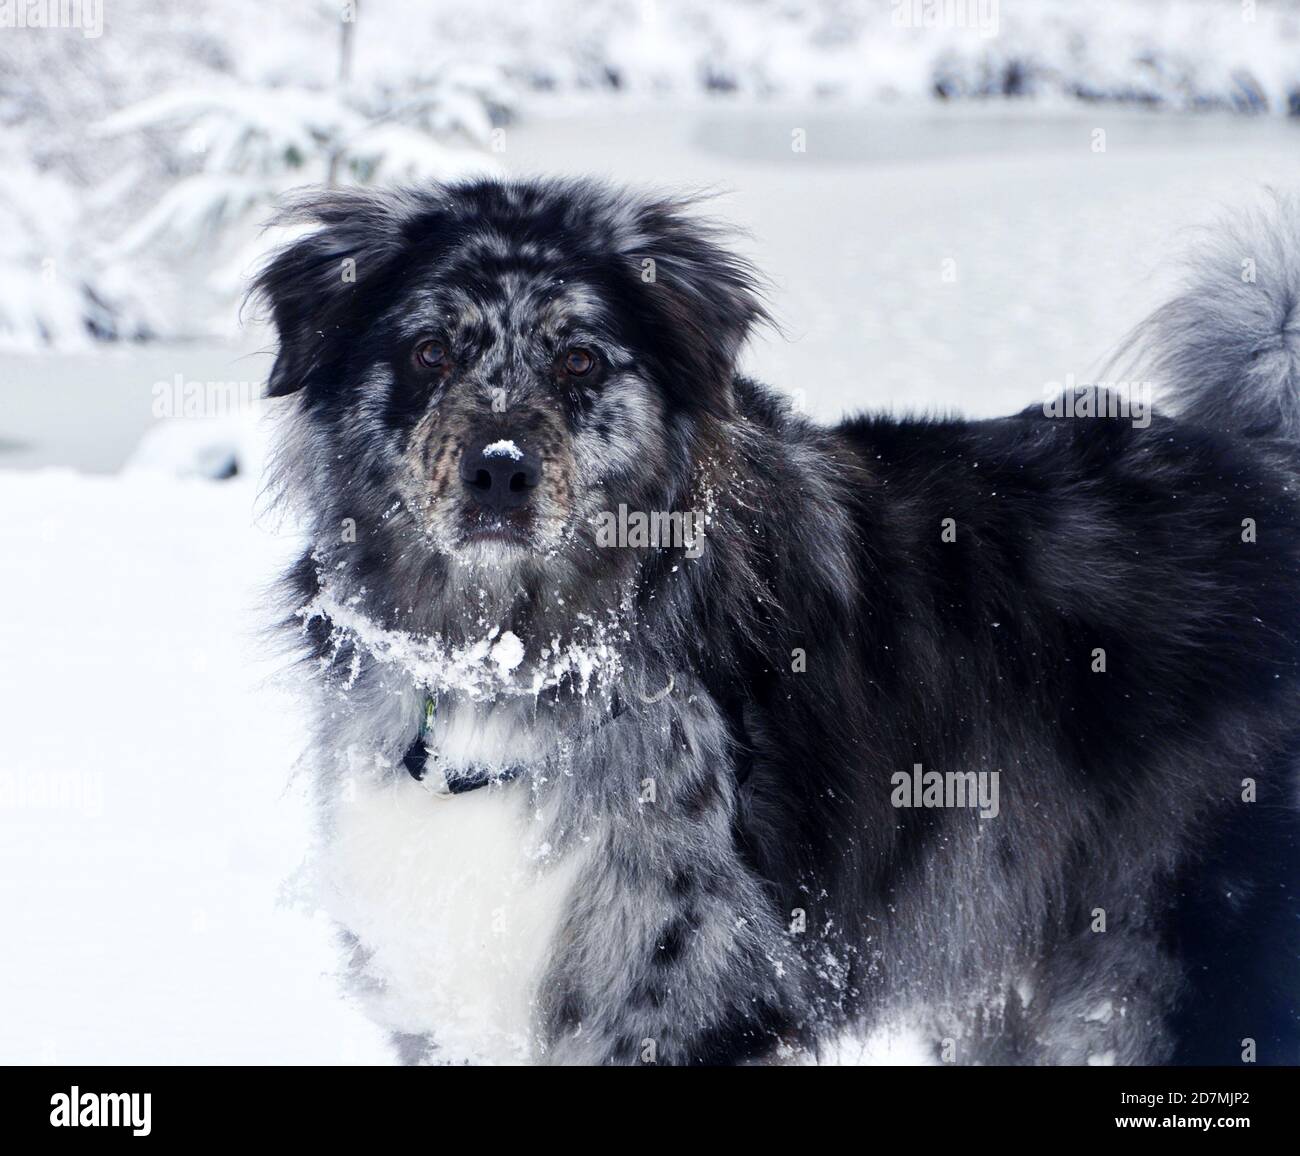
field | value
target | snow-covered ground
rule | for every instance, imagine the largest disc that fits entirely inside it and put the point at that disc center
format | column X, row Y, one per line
column 150, row 831
column 148, row 828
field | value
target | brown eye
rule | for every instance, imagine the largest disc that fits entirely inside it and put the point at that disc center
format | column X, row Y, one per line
column 579, row 361
column 431, row 355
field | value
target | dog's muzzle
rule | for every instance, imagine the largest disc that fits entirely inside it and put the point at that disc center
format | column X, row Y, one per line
column 500, row 476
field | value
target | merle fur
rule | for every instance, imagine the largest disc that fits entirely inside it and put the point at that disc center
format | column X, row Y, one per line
column 1121, row 790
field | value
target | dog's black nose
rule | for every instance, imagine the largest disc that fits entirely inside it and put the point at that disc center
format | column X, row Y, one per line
column 500, row 475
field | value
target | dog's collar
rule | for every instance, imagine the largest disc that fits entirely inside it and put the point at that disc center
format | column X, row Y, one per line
column 444, row 784
column 438, row 780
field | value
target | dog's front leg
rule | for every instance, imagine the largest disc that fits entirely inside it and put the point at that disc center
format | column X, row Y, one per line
column 671, row 952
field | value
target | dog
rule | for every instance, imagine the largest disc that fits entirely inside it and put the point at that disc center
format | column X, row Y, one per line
column 655, row 723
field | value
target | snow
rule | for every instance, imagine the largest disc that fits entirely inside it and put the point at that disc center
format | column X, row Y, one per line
column 49, row 291
column 503, row 449
column 149, row 827
column 508, row 652
column 214, row 447
column 480, row 669
column 147, row 159
column 1176, row 53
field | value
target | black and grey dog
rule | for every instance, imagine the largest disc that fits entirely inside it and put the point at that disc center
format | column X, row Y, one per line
column 657, row 723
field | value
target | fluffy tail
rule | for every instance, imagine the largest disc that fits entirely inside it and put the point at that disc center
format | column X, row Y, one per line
column 1225, row 352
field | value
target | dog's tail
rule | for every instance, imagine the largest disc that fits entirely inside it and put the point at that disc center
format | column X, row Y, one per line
column 1225, row 352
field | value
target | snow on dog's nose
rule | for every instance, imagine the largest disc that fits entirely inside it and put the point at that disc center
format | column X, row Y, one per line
column 500, row 476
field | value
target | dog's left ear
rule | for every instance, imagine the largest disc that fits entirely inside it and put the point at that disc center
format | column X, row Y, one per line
column 315, row 286
column 706, row 298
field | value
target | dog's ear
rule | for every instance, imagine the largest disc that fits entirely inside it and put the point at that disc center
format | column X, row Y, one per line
column 315, row 286
column 707, row 297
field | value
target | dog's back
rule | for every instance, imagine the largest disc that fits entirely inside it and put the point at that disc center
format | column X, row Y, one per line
column 1105, row 617
column 1172, row 556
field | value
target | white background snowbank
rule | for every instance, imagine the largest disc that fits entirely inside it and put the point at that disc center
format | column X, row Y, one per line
column 148, row 826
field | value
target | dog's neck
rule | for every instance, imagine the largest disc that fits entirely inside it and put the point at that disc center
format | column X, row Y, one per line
column 481, row 633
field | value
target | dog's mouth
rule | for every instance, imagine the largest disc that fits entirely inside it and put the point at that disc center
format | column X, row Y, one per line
column 506, row 528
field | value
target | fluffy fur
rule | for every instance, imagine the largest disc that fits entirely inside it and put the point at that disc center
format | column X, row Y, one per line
column 699, row 858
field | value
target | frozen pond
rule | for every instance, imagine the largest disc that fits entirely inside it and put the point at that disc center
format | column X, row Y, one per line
column 953, row 258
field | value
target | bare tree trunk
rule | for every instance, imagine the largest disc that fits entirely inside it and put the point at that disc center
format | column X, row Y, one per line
column 346, row 28
column 345, row 44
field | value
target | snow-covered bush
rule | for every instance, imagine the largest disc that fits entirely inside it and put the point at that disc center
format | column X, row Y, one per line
column 140, row 189
column 1176, row 53
column 249, row 145
column 52, row 292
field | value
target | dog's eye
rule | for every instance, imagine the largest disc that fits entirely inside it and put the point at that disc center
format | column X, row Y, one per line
column 579, row 361
column 431, row 355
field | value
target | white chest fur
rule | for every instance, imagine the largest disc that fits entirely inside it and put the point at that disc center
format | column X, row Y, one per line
column 457, row 900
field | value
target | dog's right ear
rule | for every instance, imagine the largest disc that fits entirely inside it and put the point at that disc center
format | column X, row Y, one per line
column 314, row 286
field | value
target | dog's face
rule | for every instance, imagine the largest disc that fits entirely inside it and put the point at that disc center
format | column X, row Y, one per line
column 505, row 363
column 524, row 399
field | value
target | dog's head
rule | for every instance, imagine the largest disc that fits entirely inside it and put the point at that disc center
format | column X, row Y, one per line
column 504, row 362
